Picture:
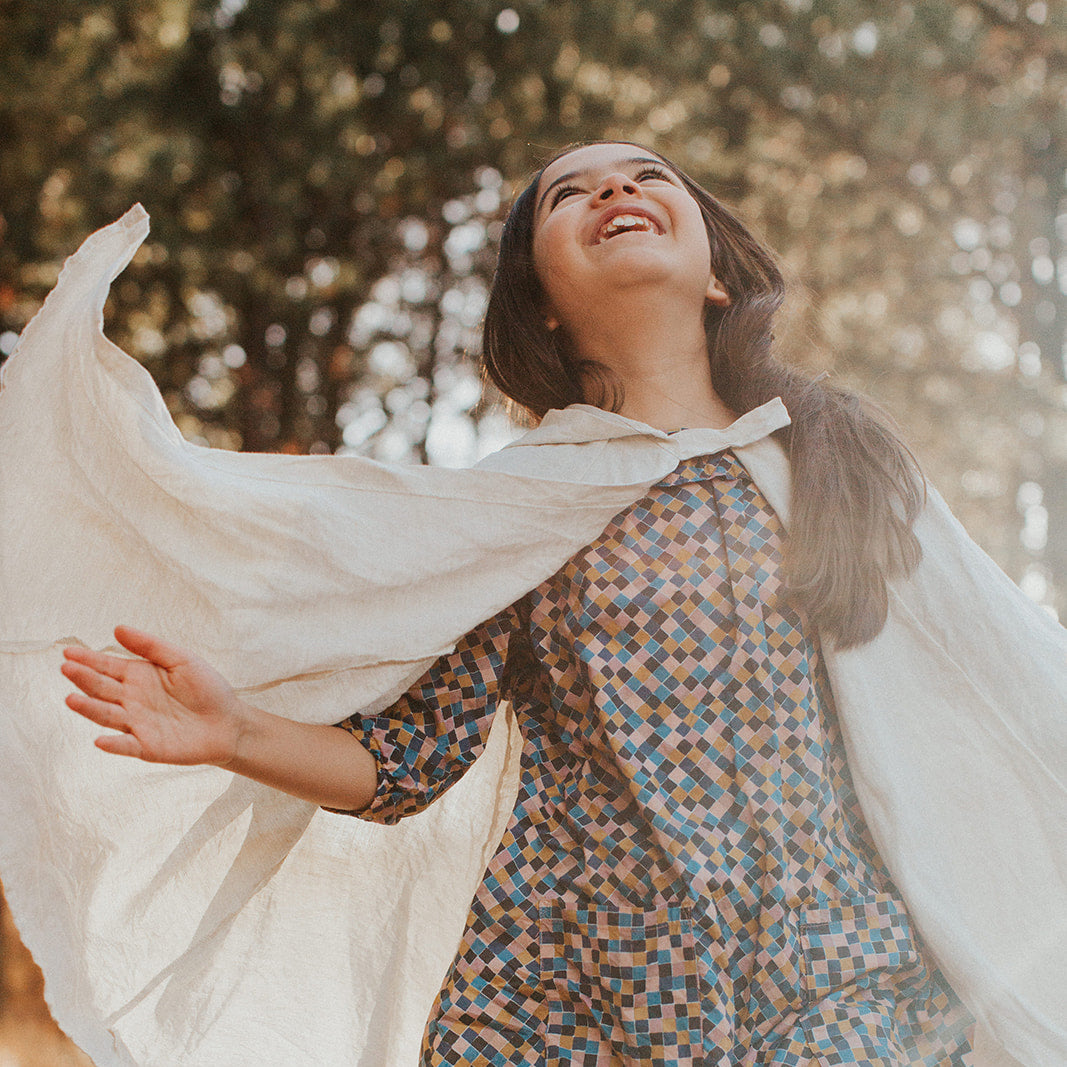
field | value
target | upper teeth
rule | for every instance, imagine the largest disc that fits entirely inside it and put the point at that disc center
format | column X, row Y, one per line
column 625, row 222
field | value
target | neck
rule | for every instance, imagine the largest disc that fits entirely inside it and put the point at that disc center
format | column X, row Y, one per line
column 660, row 359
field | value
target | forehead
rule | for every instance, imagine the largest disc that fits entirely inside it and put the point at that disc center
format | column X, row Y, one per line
column 593, row 158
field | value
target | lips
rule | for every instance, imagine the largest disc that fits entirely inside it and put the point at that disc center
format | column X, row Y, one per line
column 625, row 218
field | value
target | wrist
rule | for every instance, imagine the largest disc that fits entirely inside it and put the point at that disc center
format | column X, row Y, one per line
column 246, row 723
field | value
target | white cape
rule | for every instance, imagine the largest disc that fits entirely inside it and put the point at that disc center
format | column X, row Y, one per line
column 183, row 916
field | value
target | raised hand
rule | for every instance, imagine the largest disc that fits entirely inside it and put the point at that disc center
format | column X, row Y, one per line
column 168, row 706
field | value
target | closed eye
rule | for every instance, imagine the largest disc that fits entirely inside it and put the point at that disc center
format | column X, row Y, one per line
column 562, row 191
column 652, row 172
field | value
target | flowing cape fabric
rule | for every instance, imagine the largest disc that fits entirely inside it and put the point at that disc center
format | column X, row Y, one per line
column 185, row 916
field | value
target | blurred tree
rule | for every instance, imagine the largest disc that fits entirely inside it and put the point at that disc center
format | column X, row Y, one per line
column 326, row 183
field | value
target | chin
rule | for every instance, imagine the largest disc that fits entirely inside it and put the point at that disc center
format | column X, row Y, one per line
column 643, row 273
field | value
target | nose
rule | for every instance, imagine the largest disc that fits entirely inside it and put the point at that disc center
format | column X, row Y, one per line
column 614, row 184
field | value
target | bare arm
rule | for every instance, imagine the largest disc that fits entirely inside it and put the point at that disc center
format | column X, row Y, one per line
column 171, row 707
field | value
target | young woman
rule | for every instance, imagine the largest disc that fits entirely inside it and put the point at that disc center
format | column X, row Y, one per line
column 686, row 876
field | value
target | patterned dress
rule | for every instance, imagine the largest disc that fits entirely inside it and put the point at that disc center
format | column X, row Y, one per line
column 686, row 878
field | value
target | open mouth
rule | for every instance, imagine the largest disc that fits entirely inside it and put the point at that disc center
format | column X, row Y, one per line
column 626, row 223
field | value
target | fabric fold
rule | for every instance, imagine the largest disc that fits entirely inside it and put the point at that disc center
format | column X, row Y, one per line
column 184, row 916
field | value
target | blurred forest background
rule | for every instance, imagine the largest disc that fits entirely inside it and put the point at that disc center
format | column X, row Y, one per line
column 327, row 180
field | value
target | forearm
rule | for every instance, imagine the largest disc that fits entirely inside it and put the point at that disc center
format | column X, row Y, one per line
column 322, row 764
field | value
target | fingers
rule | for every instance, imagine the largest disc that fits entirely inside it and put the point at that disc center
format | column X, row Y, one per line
column 110, row 715
column 93, row 681
column 119, row 744
column 105, row 681
column 101, row 662
column 147, row 646
column 154, row 649
column 99, row 711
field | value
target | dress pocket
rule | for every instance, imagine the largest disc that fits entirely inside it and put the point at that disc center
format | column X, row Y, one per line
column 622, row 989
column 860, row 942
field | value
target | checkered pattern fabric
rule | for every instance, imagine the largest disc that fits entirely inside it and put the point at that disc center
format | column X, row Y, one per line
column 686, row 877
column 597, row 968
column 831, row 934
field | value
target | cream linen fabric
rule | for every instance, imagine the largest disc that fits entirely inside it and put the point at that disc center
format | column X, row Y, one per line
column 186, row 917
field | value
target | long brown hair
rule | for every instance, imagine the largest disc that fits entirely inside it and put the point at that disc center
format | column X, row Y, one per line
column 856, row 490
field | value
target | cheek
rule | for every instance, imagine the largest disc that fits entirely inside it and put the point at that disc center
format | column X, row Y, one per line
column 550, row 263
column 699, row 243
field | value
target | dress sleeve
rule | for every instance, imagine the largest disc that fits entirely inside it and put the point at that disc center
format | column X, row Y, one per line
column 425, row 742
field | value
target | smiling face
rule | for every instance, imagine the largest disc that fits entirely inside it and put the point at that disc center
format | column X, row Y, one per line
column 550, row 271
column 611, row 217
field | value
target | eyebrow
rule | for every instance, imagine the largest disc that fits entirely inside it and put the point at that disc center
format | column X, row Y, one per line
column 572, row 174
